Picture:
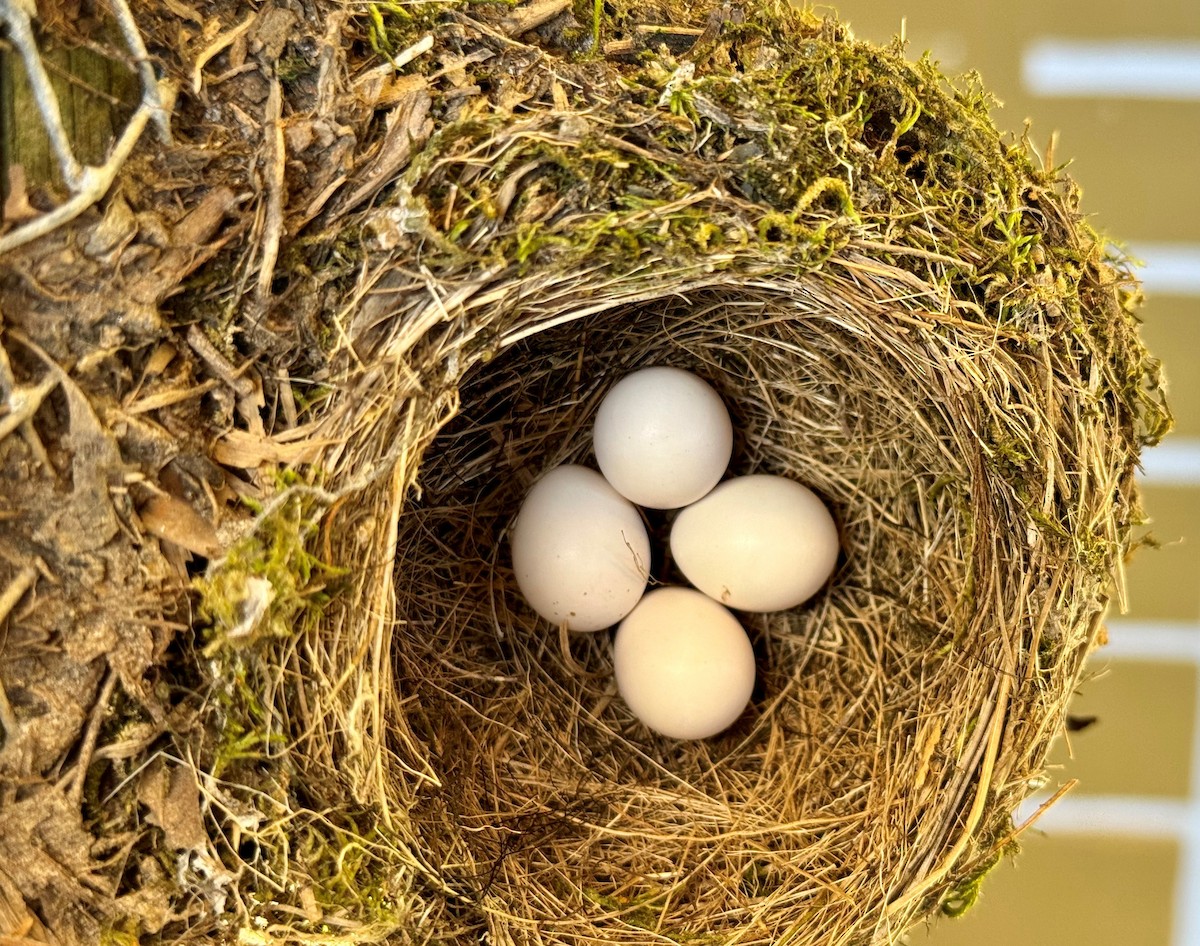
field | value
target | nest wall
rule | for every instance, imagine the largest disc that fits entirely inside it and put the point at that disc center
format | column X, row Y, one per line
column 902, row 309
column 899, row 719
column 933, row 340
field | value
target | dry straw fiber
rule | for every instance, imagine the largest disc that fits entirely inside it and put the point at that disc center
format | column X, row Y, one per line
column 902, row 308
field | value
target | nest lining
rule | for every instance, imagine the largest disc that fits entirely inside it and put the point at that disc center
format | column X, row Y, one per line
column 556, row 803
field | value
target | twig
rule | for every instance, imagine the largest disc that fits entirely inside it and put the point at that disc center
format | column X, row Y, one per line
column 88, row 746
column 151, row 94
column 275, row 160
column 419, row 48
column 8, row 600
column 913, row 251
column 16, row 588
column 87, row 184
column 223, row 41
column 218, row 363
column 22, row 404
column 532, row 16
column 1036, row 816
column 8, row 719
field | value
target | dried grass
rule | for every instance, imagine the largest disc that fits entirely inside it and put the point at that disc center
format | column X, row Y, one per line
column 900, row 717
column 901, row 309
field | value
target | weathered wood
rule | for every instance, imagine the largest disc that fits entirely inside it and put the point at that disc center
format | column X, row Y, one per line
column 95, row 93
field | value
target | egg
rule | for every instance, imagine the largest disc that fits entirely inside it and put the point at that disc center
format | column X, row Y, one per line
column 683, row 664
column 662, row 437
column 756, row 543
column 580, row 551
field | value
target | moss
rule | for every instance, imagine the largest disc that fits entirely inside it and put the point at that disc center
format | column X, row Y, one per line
column 841, row 135
column 116, row 936
column 644, row 911
column 965, row 894
column 267, row 582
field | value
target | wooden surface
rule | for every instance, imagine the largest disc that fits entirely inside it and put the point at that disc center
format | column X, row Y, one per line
column 95, row 94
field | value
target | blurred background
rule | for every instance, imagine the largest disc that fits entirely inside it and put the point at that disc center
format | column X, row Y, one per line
column 1118, row 860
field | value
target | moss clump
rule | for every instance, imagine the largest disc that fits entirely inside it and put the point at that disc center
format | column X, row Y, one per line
column 269, row 583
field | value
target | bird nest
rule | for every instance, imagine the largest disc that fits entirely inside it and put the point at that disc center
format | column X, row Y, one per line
column 902, row 309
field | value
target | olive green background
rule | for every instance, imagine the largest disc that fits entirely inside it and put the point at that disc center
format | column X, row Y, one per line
column 1138, row 160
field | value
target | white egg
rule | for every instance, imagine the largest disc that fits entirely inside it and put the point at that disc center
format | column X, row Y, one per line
column 580, row 550
column 663, row 437
column 756, row 543
column 683, row 664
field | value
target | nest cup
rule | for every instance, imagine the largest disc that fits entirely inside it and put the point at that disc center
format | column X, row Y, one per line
column 873, row 743
column 551, row 791
column 900, row 309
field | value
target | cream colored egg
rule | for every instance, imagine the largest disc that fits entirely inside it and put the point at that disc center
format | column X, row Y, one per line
column 756, row 543
column 683, row 664
column 663, row 437
column 579, row 549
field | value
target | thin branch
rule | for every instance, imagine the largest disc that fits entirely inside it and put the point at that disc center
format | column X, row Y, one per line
column 23, row 403
column 16, row 588
column 8, row 600
column 151, row 94
column 533, row 15
column 275, row 159
column 91, row 734
column 8, row 718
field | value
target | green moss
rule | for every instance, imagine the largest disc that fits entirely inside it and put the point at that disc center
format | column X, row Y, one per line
column 267, row 582
column 965, row 894
column 264, row 597
column 643, row 911
column 117, row 936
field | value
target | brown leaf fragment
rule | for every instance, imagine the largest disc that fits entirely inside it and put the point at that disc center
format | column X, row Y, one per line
column 45, row 855
column 201, row 222
column 219, row 43
column 298, row 134
column 193, row 241
column 174, row 520
column 152, row 901
column 184, row 11
column 533, row 15
column 85, row 520
column 170, row 396
column 114, row 231
column 246, row 451
column 17, row 206
column 47, row 697
column 157, row 363
column 16, row 922
column 512, row 184
column 172, row 800
column 275, row 26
